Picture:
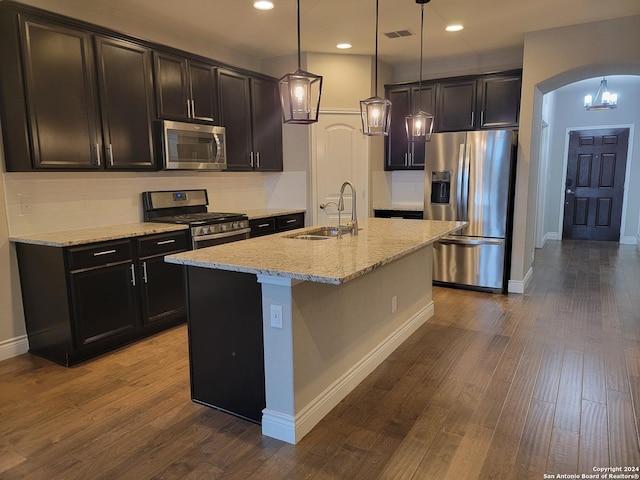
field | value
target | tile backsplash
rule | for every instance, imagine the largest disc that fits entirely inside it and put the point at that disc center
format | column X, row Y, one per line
column 52, row 201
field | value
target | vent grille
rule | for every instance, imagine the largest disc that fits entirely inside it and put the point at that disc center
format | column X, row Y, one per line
column 399, row 33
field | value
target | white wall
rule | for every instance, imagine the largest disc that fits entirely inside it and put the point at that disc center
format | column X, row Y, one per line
column 570, row 114
column 553, row 58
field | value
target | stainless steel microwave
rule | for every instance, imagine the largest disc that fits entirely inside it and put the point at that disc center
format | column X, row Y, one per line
column 193, row 146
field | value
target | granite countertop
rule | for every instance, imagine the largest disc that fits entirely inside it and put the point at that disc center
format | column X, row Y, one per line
column 332, row 261
column 411, row 207
column 83, row 236
column 257, row 213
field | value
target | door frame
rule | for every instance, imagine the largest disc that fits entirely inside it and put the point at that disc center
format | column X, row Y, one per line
column 623, row 221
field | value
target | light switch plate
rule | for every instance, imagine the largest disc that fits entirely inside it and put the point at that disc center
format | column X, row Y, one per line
column 276, row 316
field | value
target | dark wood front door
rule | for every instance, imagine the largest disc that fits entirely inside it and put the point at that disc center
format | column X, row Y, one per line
column 594, row 190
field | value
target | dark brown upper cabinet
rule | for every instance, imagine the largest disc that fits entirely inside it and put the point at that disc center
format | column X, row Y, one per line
column 500, row 101
column 461, row 103
column 67, row 104
column 456, row 106
column 250, row 113
column 126, row 103
column 62, row 98
column 185, row 89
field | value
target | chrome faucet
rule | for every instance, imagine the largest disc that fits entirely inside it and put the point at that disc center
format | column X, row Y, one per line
column 352, row 226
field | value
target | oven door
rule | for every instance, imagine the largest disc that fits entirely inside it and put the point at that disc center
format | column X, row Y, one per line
column 202, row 241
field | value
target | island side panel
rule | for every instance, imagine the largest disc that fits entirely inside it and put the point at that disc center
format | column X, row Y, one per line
column 226, row 359
column 335, row 336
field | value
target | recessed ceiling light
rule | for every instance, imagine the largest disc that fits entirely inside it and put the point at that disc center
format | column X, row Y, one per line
column 454, row 28
column 263, row 5
column 343, row 46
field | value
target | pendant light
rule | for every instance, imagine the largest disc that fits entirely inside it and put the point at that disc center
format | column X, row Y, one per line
column 300, row 93
column 375, row 111
column 419, row 125
column 604, row 99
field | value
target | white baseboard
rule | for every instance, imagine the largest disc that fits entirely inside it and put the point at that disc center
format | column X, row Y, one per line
column 519, row 286
column 291, row 429
column 13, row 347
column 629, row 240
column 551, row 236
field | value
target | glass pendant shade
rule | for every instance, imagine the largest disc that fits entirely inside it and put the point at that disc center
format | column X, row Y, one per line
column 419, row 126
column 300, row 96
column 375, row 113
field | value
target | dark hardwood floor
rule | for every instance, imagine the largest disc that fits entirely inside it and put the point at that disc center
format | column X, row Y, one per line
column 492, row 387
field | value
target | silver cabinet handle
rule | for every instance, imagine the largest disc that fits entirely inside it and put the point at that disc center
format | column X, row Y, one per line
column 110, row 152
column 472, row 117
column 482, row 118
column 144, row 271
column 263, row 225
column 406, row 156
column 166, row 242
column 410, row 158
column 98, row 153
column 251, row 159
column 293, row 220
column 257, row 159
column 188, row 109
column 193, row 108
column 105, row 252
column 133, row 275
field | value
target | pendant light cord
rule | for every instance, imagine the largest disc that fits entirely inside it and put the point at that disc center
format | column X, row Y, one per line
column 421, row 46
column 375, row 93
column 298, row 34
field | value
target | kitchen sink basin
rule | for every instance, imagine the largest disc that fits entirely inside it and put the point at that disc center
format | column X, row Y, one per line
column 322, row 233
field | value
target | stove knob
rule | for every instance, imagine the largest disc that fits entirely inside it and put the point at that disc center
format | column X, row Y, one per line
column 204, row 230
column 235, row 225
column 223, row 227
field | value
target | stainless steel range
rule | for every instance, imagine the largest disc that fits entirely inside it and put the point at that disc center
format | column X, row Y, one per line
column 189, row 207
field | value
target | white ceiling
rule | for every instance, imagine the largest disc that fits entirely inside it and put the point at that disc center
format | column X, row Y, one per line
column 490, row 25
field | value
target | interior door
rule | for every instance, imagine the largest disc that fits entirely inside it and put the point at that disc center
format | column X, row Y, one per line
column 340, row 153
column 594, row 188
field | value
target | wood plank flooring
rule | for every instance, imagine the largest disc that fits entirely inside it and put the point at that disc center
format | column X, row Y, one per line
column 492, row 387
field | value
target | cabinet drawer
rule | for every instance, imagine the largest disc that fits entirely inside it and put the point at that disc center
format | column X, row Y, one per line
column 163, row 243
column 99, row 254
column 289, row 222
column 262, row 226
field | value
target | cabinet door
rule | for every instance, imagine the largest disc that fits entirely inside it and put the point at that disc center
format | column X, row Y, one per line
column 397, row 146
column 104, row 303
column 172, row 86
column 235, row 116
column 500, row 101
column 423, row 99
column 127, row 103
column 266, row 125
column 62, row 100
column 202, row 78
column 456, row 106
column 163, row 290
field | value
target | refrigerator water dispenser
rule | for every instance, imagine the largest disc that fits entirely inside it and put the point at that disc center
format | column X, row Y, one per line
column 441, row 187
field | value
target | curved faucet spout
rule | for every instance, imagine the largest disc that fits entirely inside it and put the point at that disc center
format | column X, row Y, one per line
column 353, row 224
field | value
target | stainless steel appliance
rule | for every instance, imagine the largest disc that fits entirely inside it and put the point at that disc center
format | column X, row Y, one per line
column 193, row 146
column 189, row 207
column 469, row 176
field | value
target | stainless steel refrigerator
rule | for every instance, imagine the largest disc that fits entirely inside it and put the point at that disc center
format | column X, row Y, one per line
column 470, row 176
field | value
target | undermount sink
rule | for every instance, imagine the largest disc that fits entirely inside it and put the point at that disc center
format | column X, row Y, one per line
column 322, row 233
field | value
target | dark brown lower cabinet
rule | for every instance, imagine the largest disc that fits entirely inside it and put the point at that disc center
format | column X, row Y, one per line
column 83, row 301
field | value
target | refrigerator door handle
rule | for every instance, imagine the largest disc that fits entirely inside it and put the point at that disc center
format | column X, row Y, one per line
column 449, row 240
column 466, row 172
column 459, row 196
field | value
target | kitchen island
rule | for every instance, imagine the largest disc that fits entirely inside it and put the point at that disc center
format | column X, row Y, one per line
column 331, row 310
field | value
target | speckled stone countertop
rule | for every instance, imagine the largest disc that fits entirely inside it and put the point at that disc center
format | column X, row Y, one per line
column 408, row 207
column 334, row 261
column 257, row 213
column 83, row 236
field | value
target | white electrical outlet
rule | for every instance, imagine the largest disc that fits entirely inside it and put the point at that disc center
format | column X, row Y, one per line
column 394, row 303
column 25, row 205
column 276, row 316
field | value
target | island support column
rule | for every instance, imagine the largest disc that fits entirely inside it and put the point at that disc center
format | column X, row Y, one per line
column 333, row 336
